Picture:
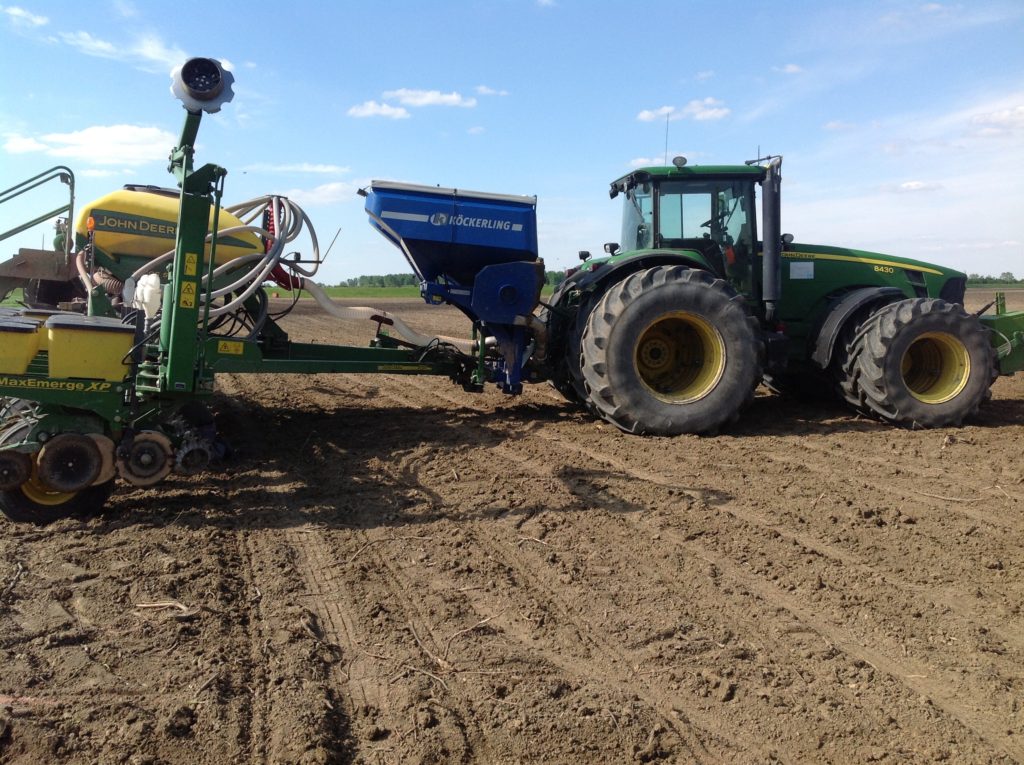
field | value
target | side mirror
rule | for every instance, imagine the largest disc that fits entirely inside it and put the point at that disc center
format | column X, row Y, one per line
column 584, row 254
column 611, row 247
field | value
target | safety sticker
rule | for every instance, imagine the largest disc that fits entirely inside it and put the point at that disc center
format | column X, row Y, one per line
column 230, row 347
column 191, row 262
column 188, row 295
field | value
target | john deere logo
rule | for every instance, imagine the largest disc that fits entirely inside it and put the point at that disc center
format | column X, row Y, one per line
column 439, row 219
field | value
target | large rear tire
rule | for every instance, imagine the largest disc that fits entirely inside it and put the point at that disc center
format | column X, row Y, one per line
column 924, row 363
column 671, row 350
column 843, row 368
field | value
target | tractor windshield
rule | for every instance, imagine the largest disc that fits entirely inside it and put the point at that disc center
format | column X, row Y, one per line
column 714, row 216
column 716, row 210
column 638, row 218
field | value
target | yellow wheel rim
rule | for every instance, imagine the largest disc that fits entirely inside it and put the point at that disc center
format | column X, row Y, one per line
column 680, row 357
column 936, row 367
column 35, row 492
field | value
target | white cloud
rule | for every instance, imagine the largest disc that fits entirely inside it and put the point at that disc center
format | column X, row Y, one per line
column 152, row 50
column 126, row 8
column 939, row 192
column 327, row 193
column 913, row 186
column 300, row 167
column 789, row 69
column 411, row 97
column 373, row 109
column 101, row 145
column 838, row 125
column 90, row 46
column 652, row 115
column 999, row 122
column 477, row 130
column 706, row 74
column 483, row 90
column 17, row 144
column 698, row 109
column 706, row 109
column 19, row 17
column 148, row 52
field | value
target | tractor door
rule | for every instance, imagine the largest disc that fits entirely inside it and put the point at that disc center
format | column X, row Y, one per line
column 713, row 217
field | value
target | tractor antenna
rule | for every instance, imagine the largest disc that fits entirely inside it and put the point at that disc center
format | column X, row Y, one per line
column 666, row 138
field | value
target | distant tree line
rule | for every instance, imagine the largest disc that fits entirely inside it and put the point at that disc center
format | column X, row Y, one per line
column 410, row 280
column 1004, row 278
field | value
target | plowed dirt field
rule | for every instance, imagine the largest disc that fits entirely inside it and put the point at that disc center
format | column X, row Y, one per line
column 392, row 570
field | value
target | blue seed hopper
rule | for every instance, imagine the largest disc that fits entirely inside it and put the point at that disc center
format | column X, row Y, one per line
column 474, row 250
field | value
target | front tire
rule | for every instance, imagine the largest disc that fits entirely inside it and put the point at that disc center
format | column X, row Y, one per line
column 671, row 350
column 924, row 363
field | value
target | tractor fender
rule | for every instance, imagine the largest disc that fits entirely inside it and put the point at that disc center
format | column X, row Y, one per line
column 840, row 310
column 605, row 275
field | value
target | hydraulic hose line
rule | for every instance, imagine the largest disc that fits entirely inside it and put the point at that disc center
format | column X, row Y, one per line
column 287, row 221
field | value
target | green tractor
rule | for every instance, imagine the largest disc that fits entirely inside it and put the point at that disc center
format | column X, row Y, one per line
column 673, row 330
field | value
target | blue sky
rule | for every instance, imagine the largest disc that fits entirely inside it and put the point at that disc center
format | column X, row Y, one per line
column 901, row 123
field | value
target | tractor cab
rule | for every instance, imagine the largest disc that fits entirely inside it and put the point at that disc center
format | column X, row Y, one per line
column 707, row 211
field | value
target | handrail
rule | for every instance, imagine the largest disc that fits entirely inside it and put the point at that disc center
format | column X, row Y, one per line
column 65, row 176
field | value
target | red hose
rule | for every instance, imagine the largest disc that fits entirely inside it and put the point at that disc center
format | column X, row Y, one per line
column 286, row 280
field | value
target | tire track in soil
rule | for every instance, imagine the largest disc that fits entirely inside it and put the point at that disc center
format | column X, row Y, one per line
column 586, row 632
column 966, row 605
column 331, row 604
column 255, row 733
column 582, row 639
column 912, row 674
column 397, row 588
column 282, row 724
column 582, row 635
column 962, row 603
column 365, row 686
column 1000, row 521
column 988, row 725
column 333, row 607
column 429, row 649
column 936, row 527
